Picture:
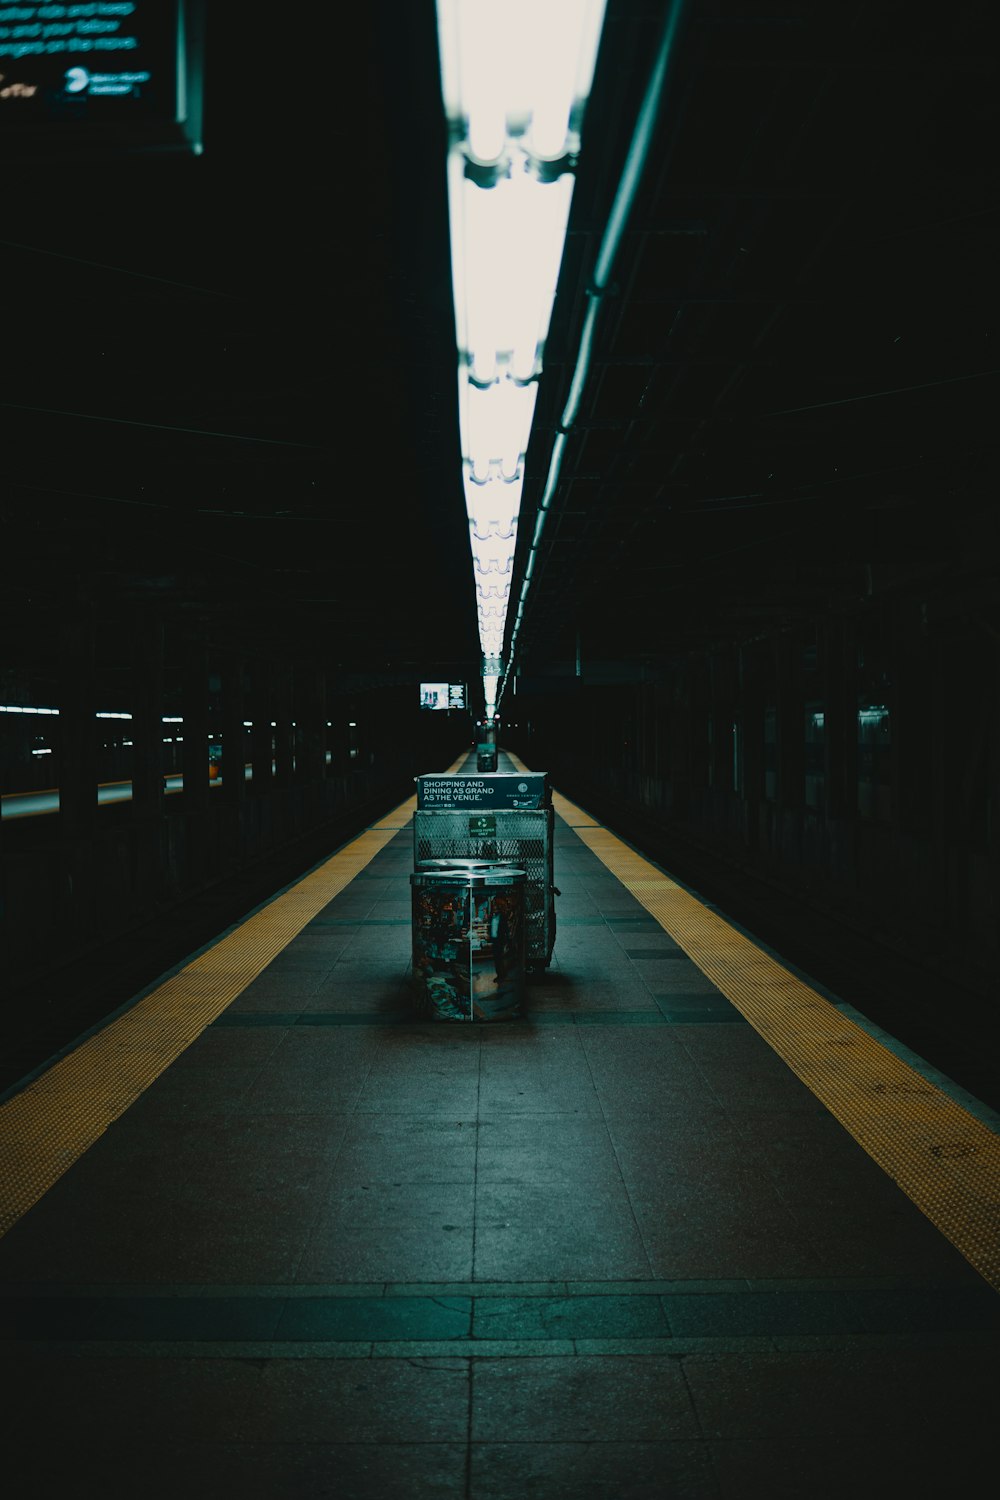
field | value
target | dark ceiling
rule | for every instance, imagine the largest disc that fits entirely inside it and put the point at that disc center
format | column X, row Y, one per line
column 228, row 382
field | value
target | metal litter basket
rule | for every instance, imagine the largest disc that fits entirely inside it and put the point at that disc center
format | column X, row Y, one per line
column 468, row 940
column 521, row 837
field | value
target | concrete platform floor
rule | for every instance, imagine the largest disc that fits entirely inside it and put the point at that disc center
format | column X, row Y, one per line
column 612, row 1249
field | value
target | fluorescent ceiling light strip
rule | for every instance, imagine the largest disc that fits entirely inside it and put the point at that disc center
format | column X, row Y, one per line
column 515, row 77
column 508, row 237
column 518, row 68
column 493, row 508
column 495, row 425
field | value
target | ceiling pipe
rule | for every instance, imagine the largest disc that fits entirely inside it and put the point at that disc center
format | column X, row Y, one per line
column 628, row 187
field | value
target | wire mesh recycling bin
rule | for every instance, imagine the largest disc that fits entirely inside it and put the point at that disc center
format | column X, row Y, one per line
column 501, row 818
column 468, row 940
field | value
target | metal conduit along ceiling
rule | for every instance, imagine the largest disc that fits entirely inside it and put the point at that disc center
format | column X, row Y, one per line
column 228, row 387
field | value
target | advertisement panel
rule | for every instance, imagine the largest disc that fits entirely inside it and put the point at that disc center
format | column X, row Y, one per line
column 442, row 695
column 520, row 789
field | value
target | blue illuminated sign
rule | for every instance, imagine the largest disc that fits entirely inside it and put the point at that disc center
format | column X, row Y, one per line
column 101, row 77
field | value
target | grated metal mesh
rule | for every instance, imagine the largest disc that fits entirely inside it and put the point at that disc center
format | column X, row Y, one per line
column 523, row 837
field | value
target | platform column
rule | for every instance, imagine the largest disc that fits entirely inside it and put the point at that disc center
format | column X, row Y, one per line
column 842, row 720
column 791, row 759
column 751, row 696
column 310, row 737
column 233, row 692
column 282, row 700
column 80, row 881
column 261, row 738
column 78, row 731
column 147, row 719
column 233, row 789
column 194, row 758
column 147, row 752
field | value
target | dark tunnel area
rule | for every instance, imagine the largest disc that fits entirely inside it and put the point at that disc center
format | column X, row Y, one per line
column 832, row 786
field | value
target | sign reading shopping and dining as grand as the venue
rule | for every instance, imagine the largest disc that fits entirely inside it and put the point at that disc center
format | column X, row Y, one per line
column 519, row 789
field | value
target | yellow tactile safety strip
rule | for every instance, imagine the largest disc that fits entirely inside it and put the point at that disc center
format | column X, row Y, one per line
column 53, row 1121
column 574, row 816
column 400, row 817
column 944, row 1159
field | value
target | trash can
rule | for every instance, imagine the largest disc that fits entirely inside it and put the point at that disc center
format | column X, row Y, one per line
column 468, row 940
column 486, row 745
column 499, row 819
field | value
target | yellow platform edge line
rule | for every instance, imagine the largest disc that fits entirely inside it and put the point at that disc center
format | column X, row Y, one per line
column 944, row 1159
column 46, row 1127
column 400, row 816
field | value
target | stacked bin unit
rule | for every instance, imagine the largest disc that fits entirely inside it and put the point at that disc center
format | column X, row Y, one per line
column 499, row 818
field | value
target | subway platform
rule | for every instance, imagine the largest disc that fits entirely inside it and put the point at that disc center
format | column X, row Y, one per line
column 688, row 1227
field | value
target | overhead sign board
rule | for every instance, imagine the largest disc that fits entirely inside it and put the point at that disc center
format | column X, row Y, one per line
column 522, row 789
column 101, row 78
column 442, row 695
